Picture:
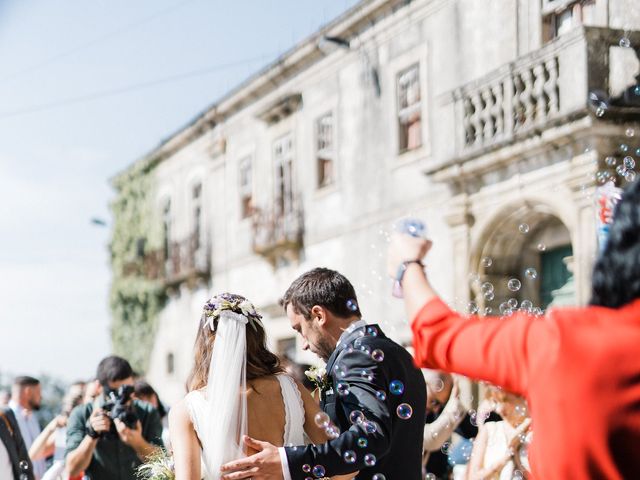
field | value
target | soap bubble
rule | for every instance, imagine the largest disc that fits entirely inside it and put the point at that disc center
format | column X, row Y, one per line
column 380, row 395
column 512, row 302
column 611, row 161
column 396, row 387
column 342, row 388
column 352, row 305
column 625, row 42
column 524, row 228
column 363, row 442
column 322, row 419
column 379, row 476
column 472, row 308
column 629, row 162
column 531, row 273
column 489, row 295
column 486, row 262
column 370, row 459
column 349, row 456
column 486, row 287
column 404, row 411
column 318, row 471
column 377, row 355
column 369, row 427
column 514, row 284
column 630, row 176
column 624, row 148
column 340, row 370
column 526, row 305
column 306, row 468
column 356, row 417
column 630, row 132
column 541, row 247
column 367, row 375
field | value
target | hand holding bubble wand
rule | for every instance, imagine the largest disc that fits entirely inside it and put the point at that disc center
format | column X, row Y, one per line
column 414, row 228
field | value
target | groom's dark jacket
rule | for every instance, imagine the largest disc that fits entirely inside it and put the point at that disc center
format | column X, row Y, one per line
column 396, row 443
column 12, row 439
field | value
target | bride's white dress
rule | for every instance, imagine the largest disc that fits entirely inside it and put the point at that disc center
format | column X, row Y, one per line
column 294, row 434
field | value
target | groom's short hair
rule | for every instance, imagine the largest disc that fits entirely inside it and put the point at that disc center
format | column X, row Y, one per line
column 324, row 287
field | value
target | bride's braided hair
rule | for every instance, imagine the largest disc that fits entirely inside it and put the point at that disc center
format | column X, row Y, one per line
column 260, row 360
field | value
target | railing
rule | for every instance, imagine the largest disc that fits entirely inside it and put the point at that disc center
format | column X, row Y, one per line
column 531, row 93
column 187, row 260
column 277, row 233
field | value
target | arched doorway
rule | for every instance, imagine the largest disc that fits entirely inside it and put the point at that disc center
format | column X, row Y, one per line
column 523, row 259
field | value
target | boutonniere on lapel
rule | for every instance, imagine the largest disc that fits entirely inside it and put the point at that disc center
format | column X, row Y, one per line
column 318, row 376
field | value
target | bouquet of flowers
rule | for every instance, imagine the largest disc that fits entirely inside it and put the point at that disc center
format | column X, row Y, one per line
column 159, row 466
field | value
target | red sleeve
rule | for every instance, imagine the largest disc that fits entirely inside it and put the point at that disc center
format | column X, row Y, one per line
column 489, row 348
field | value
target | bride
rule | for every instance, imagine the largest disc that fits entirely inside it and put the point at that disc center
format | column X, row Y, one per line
column 236, row 387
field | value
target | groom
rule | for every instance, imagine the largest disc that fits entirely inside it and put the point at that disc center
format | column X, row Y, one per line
column 375, row 395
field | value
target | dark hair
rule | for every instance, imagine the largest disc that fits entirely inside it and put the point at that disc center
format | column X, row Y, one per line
column 26, row 381
column 616, row 274
column 260, row 360
column 143, row 389
column 324, row 287
column 113, row 369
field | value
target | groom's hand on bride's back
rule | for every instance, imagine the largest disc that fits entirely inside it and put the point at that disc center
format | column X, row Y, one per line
column 263, row 465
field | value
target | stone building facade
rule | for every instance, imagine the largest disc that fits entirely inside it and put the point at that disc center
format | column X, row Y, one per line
column 472, row 115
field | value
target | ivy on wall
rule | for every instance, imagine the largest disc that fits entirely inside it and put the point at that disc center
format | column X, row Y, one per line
column 136, row 296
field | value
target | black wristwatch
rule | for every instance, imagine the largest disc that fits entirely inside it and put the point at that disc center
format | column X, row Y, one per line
column 402, row 268
column 90, row 431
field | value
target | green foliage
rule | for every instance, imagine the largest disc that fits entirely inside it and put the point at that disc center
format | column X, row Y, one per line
column 135, row 299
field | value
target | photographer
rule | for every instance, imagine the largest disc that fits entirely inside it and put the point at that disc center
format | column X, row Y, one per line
column 110, row 438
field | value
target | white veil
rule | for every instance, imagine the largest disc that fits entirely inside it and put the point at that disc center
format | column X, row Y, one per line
column 226, row 395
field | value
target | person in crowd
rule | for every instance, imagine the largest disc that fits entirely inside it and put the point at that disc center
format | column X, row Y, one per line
column 5, row 398
column 26, row 395
column 446, row 414
column 144, row 392
column 578, row 368
column 371, row 391
column 52, row 439
column 14, row 458
column 92, row 390
column 496, row 453
column 105, row 447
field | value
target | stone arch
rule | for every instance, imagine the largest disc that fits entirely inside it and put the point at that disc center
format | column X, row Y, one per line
column 530, row 234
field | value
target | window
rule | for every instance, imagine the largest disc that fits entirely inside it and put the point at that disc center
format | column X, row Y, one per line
column 409, row 109
column 246, row 188
column 196, row 199
column 560, row 16
column 283, row 159
column 170, row 364
column 166, row 229
column 325, row 150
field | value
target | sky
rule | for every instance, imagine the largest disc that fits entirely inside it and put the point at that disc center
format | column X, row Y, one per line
column 86, row 88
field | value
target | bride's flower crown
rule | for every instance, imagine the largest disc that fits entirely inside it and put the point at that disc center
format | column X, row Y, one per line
column 232, row 302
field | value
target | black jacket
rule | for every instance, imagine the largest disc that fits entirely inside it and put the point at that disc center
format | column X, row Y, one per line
column 384, row 443
column 11, row 437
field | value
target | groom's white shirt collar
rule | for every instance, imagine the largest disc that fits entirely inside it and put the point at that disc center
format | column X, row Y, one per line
column 350, row 329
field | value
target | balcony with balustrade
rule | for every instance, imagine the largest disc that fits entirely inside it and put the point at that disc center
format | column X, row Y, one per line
column 525, row 99
column 277, row 235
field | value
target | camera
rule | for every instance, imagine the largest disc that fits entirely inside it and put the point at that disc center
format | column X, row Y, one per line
column 118, row 406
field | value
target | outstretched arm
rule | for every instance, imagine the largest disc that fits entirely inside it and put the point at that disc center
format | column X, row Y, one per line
column 186, row 448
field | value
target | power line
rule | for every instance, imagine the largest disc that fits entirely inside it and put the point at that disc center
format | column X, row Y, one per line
column 129, row 88
column 95, row 41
